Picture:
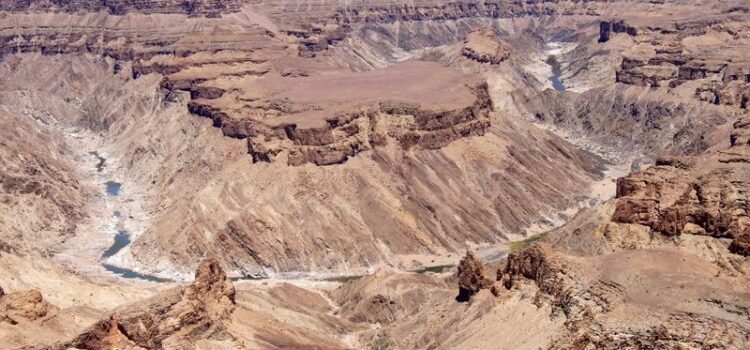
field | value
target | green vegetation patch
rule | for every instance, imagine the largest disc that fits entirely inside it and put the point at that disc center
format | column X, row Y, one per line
column 343, row 279
column 518, row 245
column 433, row 269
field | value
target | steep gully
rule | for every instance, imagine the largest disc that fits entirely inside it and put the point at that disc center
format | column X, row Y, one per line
column 552, row 50
column 121, row 237
column 115, row 213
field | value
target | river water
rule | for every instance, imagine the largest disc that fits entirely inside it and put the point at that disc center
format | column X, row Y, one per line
column 113, row 188
column 123, row 237
column 557, row 84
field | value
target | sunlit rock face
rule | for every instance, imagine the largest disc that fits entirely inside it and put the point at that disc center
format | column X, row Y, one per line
column 335, row 160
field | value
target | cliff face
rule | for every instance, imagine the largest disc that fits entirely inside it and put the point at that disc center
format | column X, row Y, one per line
column 695, row 195
column 432, row 10
column 608, row 28
column 697, row 54
column 633, row 120
column 352, row 128
column 210, row 8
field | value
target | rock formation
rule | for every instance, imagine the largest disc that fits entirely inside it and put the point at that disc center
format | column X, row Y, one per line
column 607, row 28
column 174, row 319
column 290, row 125
column 308, row 139
column 485, row 47
column 192, row 7
column 24, row 305
column 705, row 195
column 698, row 51
column 591, row 306
column 535, row 263
column 741, row 245
column 471, row 278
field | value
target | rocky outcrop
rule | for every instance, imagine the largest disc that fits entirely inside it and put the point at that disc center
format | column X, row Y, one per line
column 740, row 136
column 436, row 10
column 677, row 331
column 672, row 200
column 732, row 93
column 173, row 319
column 703, row 196
column 647, row 75
column 537, row 263
column 353, row 125
column 471, row 278
column 593, row 299
column 698, row 49
column 741, row 245
column 115, row 7
column 485, row 47
column 24, row 306
column 607, row 28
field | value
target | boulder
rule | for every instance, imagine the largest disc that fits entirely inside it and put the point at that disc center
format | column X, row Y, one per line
column 24, row 305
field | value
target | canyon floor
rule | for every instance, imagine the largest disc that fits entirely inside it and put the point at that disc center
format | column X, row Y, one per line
column 253, row 174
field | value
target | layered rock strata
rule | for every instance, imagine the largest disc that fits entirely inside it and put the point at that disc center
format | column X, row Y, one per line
column 361, row 112
column 118, row 7
column 608, row 28
column 705, row 195
column 699, row 52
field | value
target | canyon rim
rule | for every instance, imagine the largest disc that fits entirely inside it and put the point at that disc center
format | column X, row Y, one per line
column 374, row 174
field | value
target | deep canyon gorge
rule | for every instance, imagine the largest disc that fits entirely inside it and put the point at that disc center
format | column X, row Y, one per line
column 285, row 174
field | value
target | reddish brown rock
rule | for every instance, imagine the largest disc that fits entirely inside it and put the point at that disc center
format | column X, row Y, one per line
column 707, row 195
column 741, row 245
column 471, row 278
column 534, row 263
column 212, row 287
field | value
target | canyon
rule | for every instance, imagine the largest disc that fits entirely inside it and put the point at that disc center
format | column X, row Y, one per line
column 253, row 174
